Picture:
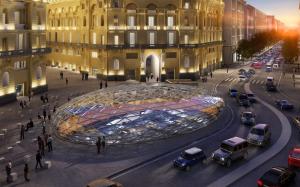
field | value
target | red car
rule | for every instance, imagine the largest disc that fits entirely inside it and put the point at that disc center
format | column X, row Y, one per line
column 294, row 157
column 257, row 66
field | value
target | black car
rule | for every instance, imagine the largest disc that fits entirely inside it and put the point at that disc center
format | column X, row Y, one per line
column 251, row 97
column 284, row 105
column 243, row 100
column 242, row 71
column 271, row 87
column 277, row 176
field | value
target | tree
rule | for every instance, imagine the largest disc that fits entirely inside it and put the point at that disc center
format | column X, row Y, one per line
column 290, row 48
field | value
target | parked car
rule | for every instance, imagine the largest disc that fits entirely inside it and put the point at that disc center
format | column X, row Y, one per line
column 233, row 92
column 231, row 150
column 259, row 135
column 242, row 71
column 243, row 100
column 248, row 118
column 284, row 105
column 276, row 176
column 189, row 158
column 251, row 97
column 294, row 158
column 104, row 183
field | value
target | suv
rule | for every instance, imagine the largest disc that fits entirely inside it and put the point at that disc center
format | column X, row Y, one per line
column 231, row 150
column 243, row 100
column 248, row 118
column 189, row 157
column 259, row 135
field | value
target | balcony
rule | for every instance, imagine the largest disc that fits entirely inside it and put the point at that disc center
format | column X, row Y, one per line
column 112, row 27
column 67, row 44
column 25, row 52
column 186, row 27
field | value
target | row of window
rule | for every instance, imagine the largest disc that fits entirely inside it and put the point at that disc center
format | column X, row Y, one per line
column 19, row 42
column 19, row 17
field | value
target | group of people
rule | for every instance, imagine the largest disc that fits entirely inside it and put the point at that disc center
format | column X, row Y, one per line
column 151, row 77
column 44, row 98
column 101, row 85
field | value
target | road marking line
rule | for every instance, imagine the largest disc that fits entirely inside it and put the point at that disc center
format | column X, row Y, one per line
column 227, row 79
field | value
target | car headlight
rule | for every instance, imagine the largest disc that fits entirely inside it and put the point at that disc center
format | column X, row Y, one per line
column 223, row 159
column 182, row 164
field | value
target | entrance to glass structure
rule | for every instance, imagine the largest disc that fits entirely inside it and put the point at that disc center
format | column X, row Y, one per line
column 20, row 90
column 152, row 68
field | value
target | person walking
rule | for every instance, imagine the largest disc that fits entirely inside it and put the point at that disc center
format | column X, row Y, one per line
column 103, row 142
column 8, row 168
column 211, row 74
column 38, row 158
column 49, row 116
column 26, row 171
column 49, row 143
column 100, row 84
column 21, row 104
column 61, row 75
column 44, row 129
column 98, row 144
column 22, row 137
column 67, row 81
column 106, row 84
column 44, row 113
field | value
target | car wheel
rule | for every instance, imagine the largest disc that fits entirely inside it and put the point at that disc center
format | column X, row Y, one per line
column 228, row 163
column 187, row 168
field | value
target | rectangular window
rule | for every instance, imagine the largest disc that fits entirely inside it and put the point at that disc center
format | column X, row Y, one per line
column 3, row 18
column 151, row 21
column 186, row 39
column 186, row 62
column 19, row 44
column 186, row 5
column 171, row 55
column 70, row 37
column 131, row 21
column 116, row 40
column 170, row 21
column 131, row 55
column 132, row 38
column 151, row 38
column 94, row 38
column 17, row 17
column 94, row 54
column 171, row 38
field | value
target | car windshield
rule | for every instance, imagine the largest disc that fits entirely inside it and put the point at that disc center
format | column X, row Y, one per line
column 243, row 97
column 233, row 90
column 284, row 102
column 250, row 95
column 247, row 115
column 186, row 156
column 226, row 147
column 295, row 154
column 257, row 131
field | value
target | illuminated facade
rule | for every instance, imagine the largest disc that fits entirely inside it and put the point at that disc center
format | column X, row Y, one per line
column 22, row 48
column 133, row 39
column 233, row 28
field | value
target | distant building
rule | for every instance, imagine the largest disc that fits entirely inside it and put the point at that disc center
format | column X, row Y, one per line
column 22, row 48
column 233, row 29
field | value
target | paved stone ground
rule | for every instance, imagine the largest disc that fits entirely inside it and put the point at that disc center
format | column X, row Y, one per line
column 69, row 161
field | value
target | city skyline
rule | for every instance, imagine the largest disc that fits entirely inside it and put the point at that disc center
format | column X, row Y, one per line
column 286, row 11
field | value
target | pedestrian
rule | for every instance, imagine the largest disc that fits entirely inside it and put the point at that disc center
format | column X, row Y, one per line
column 29, row 124
column 49, row 116
column 8, row 168
column 25, row 104
column 22, row 137
column 46, row 98
column 211, row 74
column 98, row 144
column 29, row 97
column 44, row 129
column 26, row 171
column 106, row 84
column 49, row 143
column 69, row 99
column 42, row 98
column 39, row 115
column 54, row 109
column 44, row 113
column 157, row 79
column 103, row 142
column 38, row 158
column 151, row 76
column 21, row 105
column 67, row 81
column 41, row 146
column 61, row 75
column 101, row 84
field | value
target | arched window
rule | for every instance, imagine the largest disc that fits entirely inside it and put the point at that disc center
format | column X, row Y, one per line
column 38, row 73
column 186, row 4
column 116, row 64
column 186, row 63
column 5, row 79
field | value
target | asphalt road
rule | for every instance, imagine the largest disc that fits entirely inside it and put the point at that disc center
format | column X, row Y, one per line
column 161, row 172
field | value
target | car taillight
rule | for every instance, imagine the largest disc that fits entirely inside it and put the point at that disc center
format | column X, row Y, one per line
column 260, row 183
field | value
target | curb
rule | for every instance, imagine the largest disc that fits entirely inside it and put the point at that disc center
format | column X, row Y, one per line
column 265, row 156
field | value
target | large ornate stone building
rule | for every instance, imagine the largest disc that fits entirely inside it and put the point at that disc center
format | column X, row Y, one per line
column 22, row 48
column 133, row 39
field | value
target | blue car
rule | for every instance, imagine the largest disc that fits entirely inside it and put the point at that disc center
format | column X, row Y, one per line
column 284, row 105
column 189, row 158
column 233, row 92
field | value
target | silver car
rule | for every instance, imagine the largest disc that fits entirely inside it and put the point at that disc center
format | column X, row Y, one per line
column 259, row 135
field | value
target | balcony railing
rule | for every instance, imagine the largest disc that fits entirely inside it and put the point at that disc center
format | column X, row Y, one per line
column 25, row 52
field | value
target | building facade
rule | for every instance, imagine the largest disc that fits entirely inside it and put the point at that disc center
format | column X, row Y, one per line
column 249, row 21
column 134, row 39
column 22, row 48
column 233, row 29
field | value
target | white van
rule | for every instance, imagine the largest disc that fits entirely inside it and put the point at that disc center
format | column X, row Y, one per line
column 275, row 66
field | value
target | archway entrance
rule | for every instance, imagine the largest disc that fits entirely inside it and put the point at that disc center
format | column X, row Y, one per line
column 152, row 68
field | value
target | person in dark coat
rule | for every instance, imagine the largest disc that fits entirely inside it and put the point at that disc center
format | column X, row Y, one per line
column 101, row 85
column 67, row 81
column 98, row 144
column 44, row 113
column 105, row 84
column 26, row 171
column 49, row 143
column 22, row 137
column 103, row 142
column 8, row 168
column 38, row 158
column 22, row 104
column 211, row 74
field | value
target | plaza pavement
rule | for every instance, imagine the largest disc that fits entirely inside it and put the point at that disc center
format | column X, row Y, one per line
column 71, row 164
